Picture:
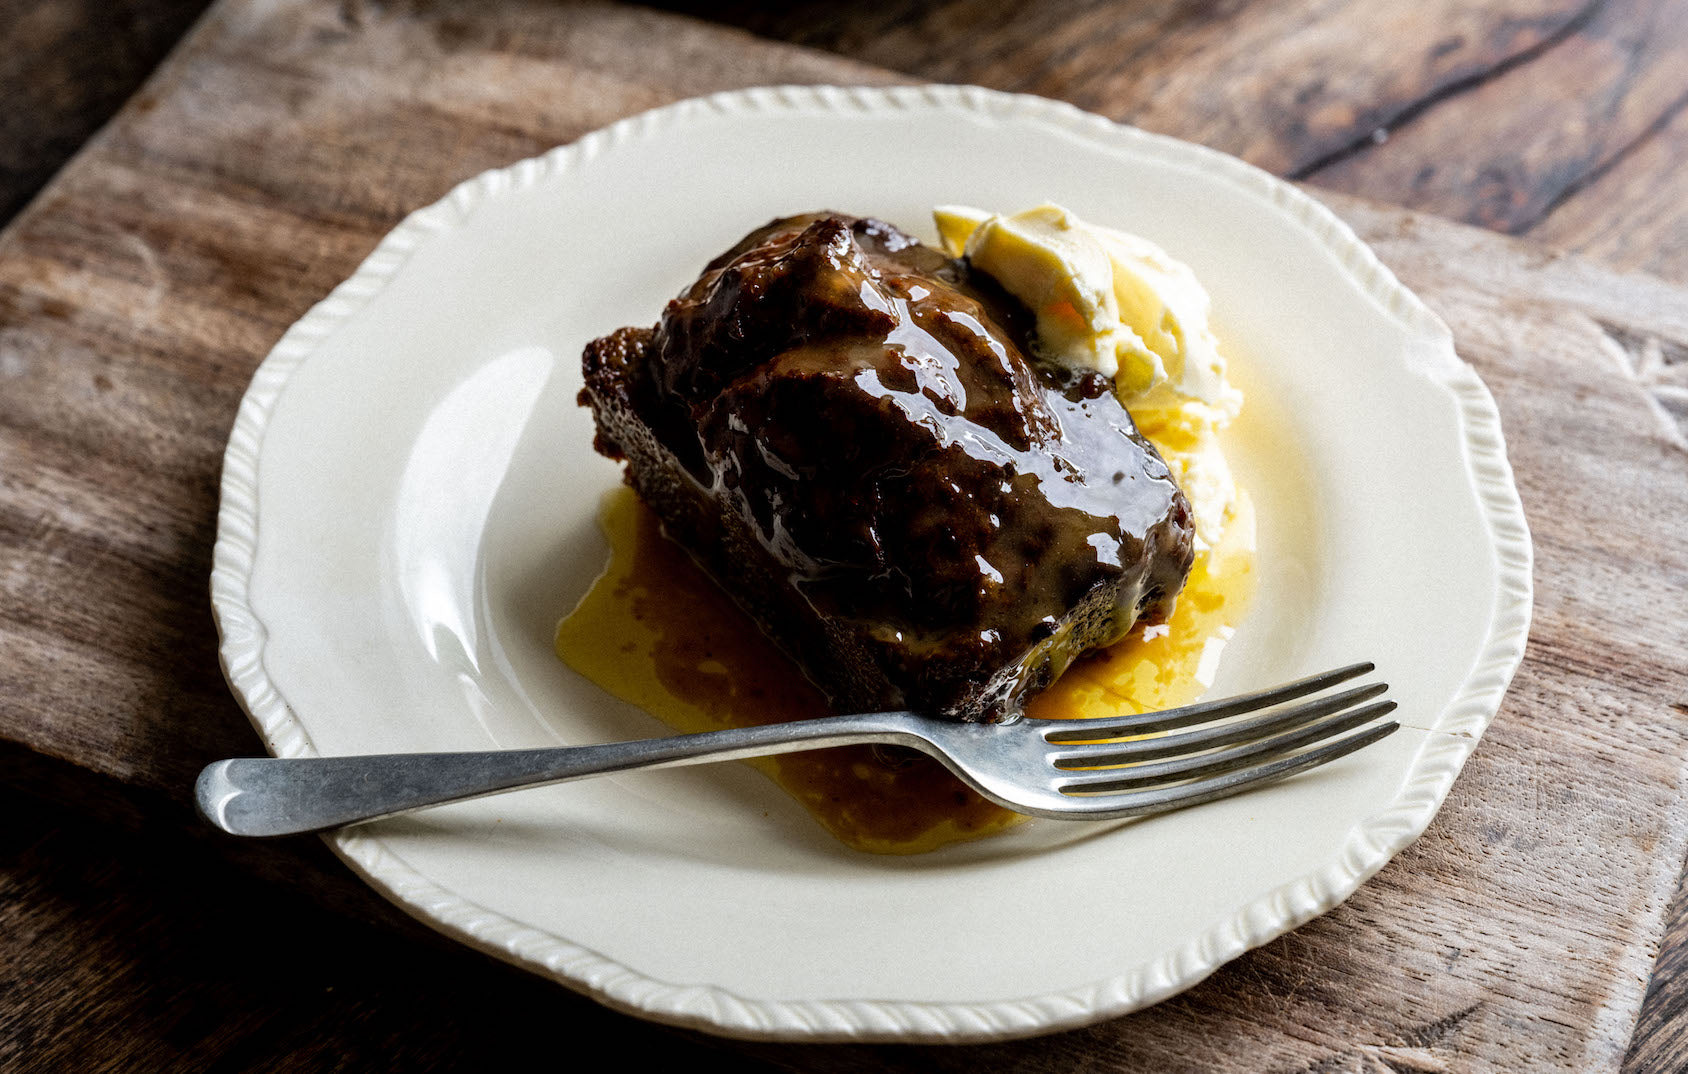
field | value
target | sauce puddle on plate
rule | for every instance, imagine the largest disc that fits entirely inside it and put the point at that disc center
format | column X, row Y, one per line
column 655, row 631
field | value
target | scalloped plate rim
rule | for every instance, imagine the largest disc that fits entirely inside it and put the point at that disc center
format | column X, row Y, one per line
column 715, row 1009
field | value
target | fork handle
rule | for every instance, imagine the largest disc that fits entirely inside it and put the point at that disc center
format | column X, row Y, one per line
column 264, row 796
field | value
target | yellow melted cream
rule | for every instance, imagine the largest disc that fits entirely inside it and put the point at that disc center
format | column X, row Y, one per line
column 655, row 631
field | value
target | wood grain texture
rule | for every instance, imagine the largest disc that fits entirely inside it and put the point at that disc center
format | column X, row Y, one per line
column 1635, row 214
column 133, row 951
column 140, row 290
column 1562, row 115
column 66, row 68
column 1505, row 153
column 1660, row 1040
column 1281, row 85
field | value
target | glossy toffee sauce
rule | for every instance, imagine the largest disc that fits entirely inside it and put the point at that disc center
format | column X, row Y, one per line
column 655, row 631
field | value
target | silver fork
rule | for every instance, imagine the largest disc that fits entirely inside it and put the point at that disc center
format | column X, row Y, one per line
column 1050, row 768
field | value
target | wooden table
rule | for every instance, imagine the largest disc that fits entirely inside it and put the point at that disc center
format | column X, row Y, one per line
column 220, row 197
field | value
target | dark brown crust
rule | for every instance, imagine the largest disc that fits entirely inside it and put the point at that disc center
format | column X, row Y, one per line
column 845, row 431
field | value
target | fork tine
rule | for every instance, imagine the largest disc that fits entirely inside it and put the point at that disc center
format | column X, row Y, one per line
column 1202, row 711
column 1100, row 780
column 1195, row 792
column 1098, row 754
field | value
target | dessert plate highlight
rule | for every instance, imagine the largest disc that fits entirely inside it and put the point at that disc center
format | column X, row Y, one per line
column 410, row 504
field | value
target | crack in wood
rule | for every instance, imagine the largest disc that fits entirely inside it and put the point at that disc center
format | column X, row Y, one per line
column 1601, row 169
column 1439, row 1030
column 1421, row 1049
column 1412, row 110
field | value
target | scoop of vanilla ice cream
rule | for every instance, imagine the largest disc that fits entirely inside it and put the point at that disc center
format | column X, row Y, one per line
column 1116, row 303
column 1050, row 261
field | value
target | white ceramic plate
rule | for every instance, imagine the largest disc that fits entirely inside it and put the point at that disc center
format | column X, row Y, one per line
column 409, row 502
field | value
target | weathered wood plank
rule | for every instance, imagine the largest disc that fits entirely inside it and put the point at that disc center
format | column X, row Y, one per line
column 138, row 293
column 66, row 68
column 1660, row 1040
column 133, row 950
column 1558, row 118
column 1283, row 86
column 1509, row 150
column 1635, row 214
